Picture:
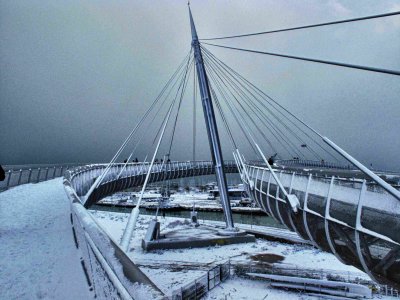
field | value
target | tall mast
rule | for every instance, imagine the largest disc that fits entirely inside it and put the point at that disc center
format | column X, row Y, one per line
column 211, row 124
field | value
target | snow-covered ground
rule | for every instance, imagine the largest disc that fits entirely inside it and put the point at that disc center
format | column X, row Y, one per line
column 162, row 266
column 241, row 288
column 39, row 260
column 38, row 257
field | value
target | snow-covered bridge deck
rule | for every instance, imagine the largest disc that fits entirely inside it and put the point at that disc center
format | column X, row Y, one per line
column 38, row 257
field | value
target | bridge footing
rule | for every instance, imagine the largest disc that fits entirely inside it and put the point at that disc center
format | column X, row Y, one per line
column 195, row 237
column 231, row 232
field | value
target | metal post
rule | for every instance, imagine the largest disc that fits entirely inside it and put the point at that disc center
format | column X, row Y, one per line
column 9, row 178
column 29, row 176
column 364, row 169
column 20, row 175
column 211, row 125
column 38, row 175
column 47, row 173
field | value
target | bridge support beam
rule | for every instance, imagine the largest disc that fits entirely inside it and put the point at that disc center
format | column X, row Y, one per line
column 211, row 125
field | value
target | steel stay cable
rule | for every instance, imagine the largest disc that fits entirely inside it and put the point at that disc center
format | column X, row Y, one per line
column 275, row 105
column 278, row 131
column 258, row 100
column 264, row 114
column 255, row 125
column 135, row 212
column 100, row 178
column 185, row 81
column 288, row 197
column 189, row 62
column 231, row 110
column 130, row 227
column 151, row 121
column 238, row 114
column 234, row 115
column 306, row 26
column 320, row 61
column 261, row 132
column 231, row 139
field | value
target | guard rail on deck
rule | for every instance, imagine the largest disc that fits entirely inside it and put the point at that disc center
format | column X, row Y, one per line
column 110, row 271
column 33, row 174
column 355, row 221
column 312, row 163
column 121, row 177
column 111, row 274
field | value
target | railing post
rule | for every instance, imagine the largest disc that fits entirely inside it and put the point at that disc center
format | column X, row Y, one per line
column 47, row 173
column 9, row 178
column 38, row 176
column 20, row 175
column 29, row 176
column 195, row 289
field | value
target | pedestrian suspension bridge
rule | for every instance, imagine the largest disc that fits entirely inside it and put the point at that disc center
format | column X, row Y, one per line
column 334, row 201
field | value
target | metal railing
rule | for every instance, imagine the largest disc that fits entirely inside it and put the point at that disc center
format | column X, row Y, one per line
column 200, row 286
column 313, row 163
column 355, row 221
column 110, row 273
column 240, row 268
column 33, row 174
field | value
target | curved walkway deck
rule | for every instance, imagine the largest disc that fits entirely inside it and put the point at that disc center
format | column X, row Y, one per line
column 38, row 257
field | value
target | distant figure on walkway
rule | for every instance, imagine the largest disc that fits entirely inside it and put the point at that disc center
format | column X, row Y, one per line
column 136, row 160
column 125, row 160
column 271, row 160
column 2, row 174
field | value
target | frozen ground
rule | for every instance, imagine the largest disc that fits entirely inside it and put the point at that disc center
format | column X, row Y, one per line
column 162, row 266
column 39, row 260
column 38, row 257
column 240, row 288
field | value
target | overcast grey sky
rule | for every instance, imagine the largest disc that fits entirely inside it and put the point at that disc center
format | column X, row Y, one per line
column 75, row 76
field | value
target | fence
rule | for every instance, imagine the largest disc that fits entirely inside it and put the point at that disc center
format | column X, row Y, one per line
column 110, row 273
column 35, row 174
column 387, row 291
column 242, row 268
column 312, row 163
column 199, row 287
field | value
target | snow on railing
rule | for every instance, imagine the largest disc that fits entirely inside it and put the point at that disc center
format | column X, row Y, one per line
column 110, row 273
column 312, row 163
column 242, row 268
column 337, row 215
column 32, row 174
column 199, row 287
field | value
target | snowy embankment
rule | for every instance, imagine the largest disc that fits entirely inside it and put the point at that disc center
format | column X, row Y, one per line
column 38, row 257
column 171, row 269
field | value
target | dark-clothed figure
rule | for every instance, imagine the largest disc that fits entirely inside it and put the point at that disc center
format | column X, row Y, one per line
column 2, row 174
column 271, row 160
